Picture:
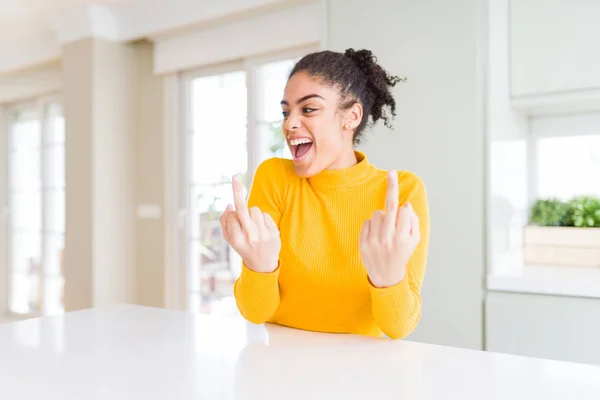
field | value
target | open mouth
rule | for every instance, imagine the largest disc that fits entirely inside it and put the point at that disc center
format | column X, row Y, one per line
column 300, row 148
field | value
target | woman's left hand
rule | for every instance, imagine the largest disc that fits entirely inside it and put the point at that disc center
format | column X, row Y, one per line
column 388, row 239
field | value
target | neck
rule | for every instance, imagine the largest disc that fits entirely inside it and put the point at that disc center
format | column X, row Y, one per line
column 352, row 172
column 346, row 160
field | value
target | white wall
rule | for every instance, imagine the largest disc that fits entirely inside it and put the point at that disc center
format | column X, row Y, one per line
column 554, row 46
column 114, row 160
column 149, row 180
column 438, row 134
column 100, row 110
column 78, row 92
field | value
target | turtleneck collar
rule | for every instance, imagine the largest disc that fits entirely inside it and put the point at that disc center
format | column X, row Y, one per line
column 345, row 177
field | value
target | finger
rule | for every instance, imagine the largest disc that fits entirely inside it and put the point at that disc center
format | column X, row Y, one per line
column 391, row 200
column 223, row 221
column 270, row 223
column 391, row 204
column 258, row 219
column 364, row 232
column 415, row 223
column 241, row 207
column 234, row 228
column 403, row 222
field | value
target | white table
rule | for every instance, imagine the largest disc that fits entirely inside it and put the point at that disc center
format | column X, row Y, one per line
column 130, row 352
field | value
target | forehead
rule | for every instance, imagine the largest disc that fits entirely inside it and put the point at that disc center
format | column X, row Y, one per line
column 301, row 84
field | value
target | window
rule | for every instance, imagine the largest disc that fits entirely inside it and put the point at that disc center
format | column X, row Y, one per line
column 233, row 119
column 508, row 201
column 35, row 208
column 272, row 78
column 552, row 157
column 568, row 166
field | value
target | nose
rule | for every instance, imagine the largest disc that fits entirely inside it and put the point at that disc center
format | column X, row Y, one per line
column 291, row 123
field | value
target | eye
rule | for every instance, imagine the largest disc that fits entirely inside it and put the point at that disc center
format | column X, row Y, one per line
column 285, row 113
column 307, row 110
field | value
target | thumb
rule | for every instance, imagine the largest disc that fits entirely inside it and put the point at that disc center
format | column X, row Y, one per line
column 269, row 222
column 403, row 221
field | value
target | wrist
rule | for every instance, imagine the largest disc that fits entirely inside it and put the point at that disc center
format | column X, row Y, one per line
column 381, row 282
column 261, row 267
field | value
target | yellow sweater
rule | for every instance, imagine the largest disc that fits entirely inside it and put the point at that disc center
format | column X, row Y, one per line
column 320, row 283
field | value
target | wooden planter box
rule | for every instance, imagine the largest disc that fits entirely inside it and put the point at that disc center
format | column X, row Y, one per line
column 564, row 246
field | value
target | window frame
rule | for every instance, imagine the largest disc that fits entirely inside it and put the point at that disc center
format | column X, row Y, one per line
column 177, row 134
column 38, row 103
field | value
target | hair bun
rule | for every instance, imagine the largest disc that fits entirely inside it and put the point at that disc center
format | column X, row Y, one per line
column 366, row 61
column 378, row 83
column 360, row 55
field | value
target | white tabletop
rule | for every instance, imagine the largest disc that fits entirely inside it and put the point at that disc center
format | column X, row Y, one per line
column 130, row 352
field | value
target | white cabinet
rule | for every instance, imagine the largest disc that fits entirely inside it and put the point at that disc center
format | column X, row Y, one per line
column 552, row 327
column 554, row 46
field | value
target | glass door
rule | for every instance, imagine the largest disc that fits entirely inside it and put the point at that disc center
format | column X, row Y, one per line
column 218, row 150
column 25, row 211
column 36, row 208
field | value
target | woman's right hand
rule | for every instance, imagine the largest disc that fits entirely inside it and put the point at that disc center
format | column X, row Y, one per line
column 252, row 233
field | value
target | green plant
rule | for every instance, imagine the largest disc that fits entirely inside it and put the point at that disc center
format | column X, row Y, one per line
column 580, row 211
column 585, row 212
column 548, row 212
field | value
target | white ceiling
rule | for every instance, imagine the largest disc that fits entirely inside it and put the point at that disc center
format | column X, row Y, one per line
column 25, row 9
column 20, row 18
column 33, row 31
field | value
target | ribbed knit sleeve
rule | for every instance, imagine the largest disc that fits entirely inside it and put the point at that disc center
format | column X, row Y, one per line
column 397, row 309
column 257, row 294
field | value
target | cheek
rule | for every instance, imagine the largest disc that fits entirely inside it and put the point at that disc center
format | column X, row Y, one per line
column 326, row 132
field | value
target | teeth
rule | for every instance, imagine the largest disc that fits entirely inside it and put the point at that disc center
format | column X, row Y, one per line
column 296, row 142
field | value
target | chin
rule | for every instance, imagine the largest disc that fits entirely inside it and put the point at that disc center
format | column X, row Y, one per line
column 304, row 165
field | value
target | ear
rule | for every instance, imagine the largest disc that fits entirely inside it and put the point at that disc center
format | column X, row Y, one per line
column 352, row 117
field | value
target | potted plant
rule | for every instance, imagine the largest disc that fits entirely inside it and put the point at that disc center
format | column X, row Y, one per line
column 564, row 232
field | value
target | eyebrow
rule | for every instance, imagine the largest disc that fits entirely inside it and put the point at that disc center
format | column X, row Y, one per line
column 310, row 96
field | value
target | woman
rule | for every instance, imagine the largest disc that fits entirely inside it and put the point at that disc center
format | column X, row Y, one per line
column 329, row 243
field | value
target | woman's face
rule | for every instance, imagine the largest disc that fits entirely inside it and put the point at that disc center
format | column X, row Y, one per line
column 318, row 134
